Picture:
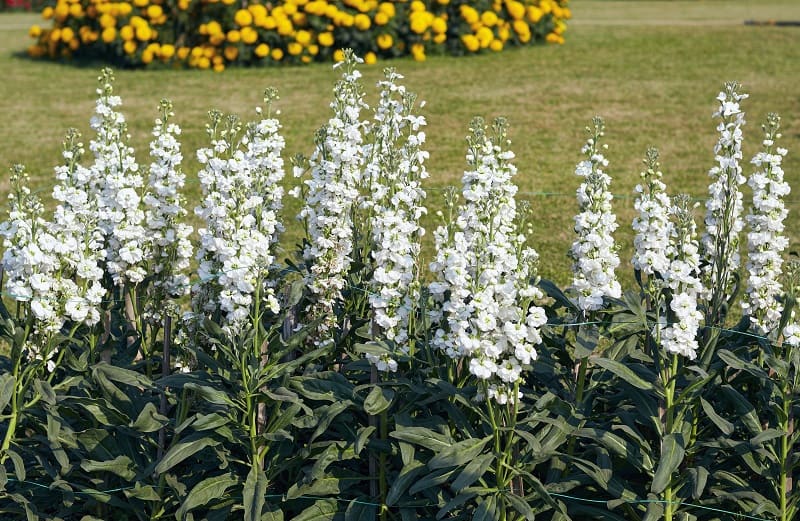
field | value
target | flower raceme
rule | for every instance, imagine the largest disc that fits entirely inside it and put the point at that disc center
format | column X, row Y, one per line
column 594, row 252
column 484, row 275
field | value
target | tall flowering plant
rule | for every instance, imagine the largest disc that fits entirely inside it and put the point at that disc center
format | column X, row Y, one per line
column 396, row 168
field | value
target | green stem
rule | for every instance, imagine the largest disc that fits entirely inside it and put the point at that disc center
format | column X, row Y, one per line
column 384, row 432
column 670, row 378
column 785, row 455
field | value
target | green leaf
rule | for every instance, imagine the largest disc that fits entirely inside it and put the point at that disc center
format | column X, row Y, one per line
column 272, row 513
column 624, row 372
column 744, row 409
column 722, row 424
column 486, row 510
column 327, row 485
column 423, row 437
column 123, row 376
column 46, row 392
column 434, row 479
column 19, row 465
column 698, row 477
column 404, row 479
column 7, row 386
column 326, row 415
column 473, row 471
column 121, row 466
column 586, row 341
column 378, row 400
column 362, row 438
column 632, row 452
column 149, row 420
column 672, row 452
column 520, row 505
column 459, row 454
column 209, row 394
column 321, row 510
column 457, row 501
column 142, row 492
column 182, row 450
column 255, row 487
column 205, row 491
column 361, row 510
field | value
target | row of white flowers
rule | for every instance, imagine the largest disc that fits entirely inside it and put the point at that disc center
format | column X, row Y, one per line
column 111, row 224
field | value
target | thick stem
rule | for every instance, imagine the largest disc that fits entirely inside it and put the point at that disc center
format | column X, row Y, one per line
column 670, row 378
column 786, row 483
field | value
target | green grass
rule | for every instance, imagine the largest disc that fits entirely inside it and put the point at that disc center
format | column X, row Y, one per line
column 652, row 69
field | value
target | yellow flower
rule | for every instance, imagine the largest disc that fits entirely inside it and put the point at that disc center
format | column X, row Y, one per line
column 362, row 22
column 124, row 8
column 384, row 41
column 67, row 34
column 213, row 27
column 126, row 32
column 36, row 51
column 261, row 50
column 167, row 51
column 381, row 18
column 289, row 8
column 418, row 52
column 469, row 14
column 496, row 45
column 108, row 35
column 559, row 27
column 440, row 38
column 387, row 8
column 107, row 20
column 76, row 10
column 515, row 9
column 313, row 49
column 143, row 33
column 534, row 14
column 47, row 13
column 154, row 11
column 338, row 55
column 140, row 3
column 294, row 48
column 370, row 58
column 489, row 18
column 257, row 10
column 439, row 25
column 303, row 37
column 74, row 44
column 243, row 18
column 470, row 42
column 299, row 19
column 209, row 52
column 325, row 39
column 554, row 38
column 35, row 31
column 61, row 11
column 277, row 54
column 203, row 63
column 234, row 36
column 443, row 2
column 521, row 27
column 284, row 27
column 231, row 53
column 183, row 52
column 183, row 5
column 485, row 37
column 566, row 13
column 249, row 35
column 129, row 47
column 269, row 23
column 147, row 56
column 417, row 5
column 197, row 52
column 219, row 67
column 55, row 35
column 216, row 39
column 418, row 25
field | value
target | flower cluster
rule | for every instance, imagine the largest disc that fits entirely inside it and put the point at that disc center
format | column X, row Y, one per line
column 118, row 183
column 720, row 241
column 214, row 34
column 593, row 252
column 484, row 275
column 168, row 238
column 765, row 241
column 337, row 171
column 683, row 279
column 396, row 168
column 651, row 225
column 241, row 181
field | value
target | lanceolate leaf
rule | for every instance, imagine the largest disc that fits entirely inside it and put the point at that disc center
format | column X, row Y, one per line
column 378, row 400
column 421, row 436
column 459, row 454
column 473, row 471
column 486, row 510
column 182, row 450
column 624, row 372
column 7, row 384
column 205, row 491
column 672, row 452
column 361, row 509
column 255, row 487
column 722, row 424
column 321, row 510
column 406, row 477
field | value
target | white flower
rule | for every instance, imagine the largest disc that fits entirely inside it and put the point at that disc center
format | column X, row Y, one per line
column 483, row 271
column 724, row 205
column 593, row 252
column 652, row 224
column 765, row 239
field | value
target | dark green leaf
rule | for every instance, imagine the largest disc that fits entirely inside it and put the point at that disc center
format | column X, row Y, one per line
column 434, row 479
column 459, row 454
column 624, row 372
column 321, row 510
column 699, row 477
column 255, row 487
column 361, row 510
column 149, row 420
column 457, row 501
column 44, row 389
column 123, row 376
column 182, row 450
column 19, row 465
column 378, row 400
column 7, row 386
column 272, row 512
column 473, row 471
column 121, row 466
column 486, row 510
column 722, row 424
column 423, row 437
column 205, row 491
column 672, row 452
column 587, row 338
column 404, row 479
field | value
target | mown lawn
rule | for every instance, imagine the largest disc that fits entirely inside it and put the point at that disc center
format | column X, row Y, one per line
column 651, row 68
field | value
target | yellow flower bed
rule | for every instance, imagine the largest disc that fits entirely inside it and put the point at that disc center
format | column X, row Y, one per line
column 213, row 34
